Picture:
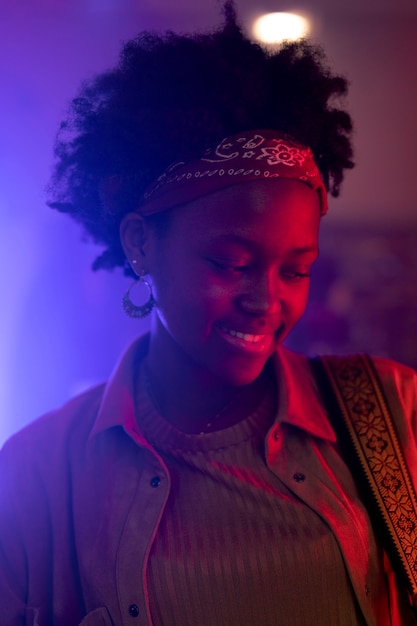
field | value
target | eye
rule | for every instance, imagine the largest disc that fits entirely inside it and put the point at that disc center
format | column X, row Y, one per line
column 237, row 266
column 295, row 275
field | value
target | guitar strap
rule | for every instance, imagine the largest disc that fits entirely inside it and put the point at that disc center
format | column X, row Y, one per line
column 361, row 418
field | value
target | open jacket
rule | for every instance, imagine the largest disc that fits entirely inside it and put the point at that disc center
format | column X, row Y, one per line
column 82, row 494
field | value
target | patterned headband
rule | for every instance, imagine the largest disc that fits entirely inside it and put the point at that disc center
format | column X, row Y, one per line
column 251, row 155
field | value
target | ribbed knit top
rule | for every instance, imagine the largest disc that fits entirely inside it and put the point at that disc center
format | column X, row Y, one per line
column 235, row 547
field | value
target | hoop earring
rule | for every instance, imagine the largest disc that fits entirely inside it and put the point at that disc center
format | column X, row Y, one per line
column 134, row 310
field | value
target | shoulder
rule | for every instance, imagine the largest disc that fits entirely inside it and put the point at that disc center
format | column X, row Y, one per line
column 402, row 376
column 37, row 469
column 53, row 433
column 399, row 384
column 387, row 369
column 398, row 381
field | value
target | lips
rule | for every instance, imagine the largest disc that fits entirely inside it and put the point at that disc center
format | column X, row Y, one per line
column 248, row 342
column 245, row 336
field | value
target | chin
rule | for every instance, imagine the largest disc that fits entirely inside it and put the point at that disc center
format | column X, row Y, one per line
column 241, row 375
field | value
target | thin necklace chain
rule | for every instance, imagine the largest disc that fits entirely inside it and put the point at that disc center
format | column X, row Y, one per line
column 208, row 424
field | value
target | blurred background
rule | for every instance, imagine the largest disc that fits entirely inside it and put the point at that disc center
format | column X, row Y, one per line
column 61, row 326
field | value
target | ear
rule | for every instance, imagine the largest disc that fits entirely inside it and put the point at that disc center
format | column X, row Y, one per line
column 134, row 236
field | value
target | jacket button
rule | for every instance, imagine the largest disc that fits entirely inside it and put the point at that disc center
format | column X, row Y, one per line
column 133, row 610
column 155, row 481
column 299, row 477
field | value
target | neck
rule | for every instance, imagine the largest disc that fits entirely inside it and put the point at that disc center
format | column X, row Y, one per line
column 195, row 400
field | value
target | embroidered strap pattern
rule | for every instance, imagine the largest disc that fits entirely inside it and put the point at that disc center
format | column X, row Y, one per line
column 374, row 438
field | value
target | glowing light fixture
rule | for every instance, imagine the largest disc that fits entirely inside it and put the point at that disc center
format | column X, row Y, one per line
column 276, row 27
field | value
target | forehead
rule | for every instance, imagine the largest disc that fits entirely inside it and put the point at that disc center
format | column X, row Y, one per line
column 276, row 212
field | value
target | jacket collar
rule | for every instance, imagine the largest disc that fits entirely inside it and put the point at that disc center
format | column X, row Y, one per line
column 300, row 403
column 299, row 399
column 117, row 407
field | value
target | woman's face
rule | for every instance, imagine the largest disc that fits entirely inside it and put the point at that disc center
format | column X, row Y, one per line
column 231, row 276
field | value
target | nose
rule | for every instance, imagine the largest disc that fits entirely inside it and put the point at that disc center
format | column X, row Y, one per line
column 262, row 297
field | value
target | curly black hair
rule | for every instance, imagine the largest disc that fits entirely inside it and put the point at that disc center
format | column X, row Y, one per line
column 170, row 97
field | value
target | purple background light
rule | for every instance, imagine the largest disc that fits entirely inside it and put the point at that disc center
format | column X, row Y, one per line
column 61, row 326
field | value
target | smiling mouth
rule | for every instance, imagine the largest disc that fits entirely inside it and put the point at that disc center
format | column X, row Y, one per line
column 246, row 341
column 244, row 336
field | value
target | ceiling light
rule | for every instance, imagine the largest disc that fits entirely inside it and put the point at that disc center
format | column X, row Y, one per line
column 277, row 27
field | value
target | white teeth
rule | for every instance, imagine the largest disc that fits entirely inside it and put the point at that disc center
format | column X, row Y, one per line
column 244, row 336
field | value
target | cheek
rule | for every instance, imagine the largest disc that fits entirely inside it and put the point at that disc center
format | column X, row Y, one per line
column 190, row 301
column 207, row 302
column 297, row 302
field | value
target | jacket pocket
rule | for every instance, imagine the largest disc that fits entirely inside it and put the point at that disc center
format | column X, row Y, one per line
column 98, row 617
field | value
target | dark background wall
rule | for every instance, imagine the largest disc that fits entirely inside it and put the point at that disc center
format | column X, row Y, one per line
column 364, row 293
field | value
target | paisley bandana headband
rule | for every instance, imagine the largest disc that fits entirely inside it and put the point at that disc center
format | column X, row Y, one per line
column 252, row 155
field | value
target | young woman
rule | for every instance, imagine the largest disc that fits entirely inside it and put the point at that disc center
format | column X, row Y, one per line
column 204, row 483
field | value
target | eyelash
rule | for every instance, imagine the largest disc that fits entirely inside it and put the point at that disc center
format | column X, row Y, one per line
column 239, row 269
column 297, row 275
column 224, row 266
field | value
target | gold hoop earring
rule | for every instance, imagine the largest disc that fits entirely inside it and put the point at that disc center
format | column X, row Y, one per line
column 134, row 310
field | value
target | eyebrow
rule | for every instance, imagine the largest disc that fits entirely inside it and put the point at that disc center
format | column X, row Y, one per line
column 233, row 238
column 305, row 250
